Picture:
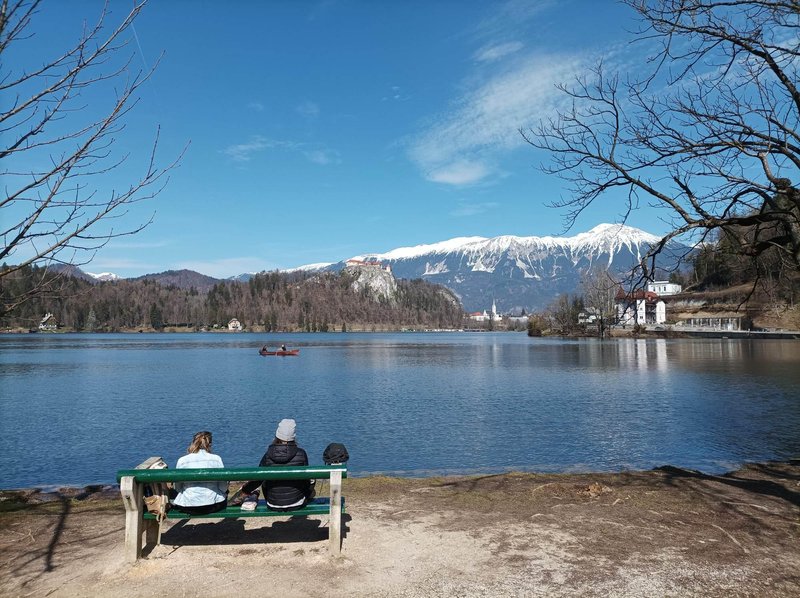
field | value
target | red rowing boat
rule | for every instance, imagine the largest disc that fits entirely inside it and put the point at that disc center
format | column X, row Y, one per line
column 287, row 353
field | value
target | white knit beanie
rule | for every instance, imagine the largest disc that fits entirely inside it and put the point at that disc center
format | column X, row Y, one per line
column 286, row 430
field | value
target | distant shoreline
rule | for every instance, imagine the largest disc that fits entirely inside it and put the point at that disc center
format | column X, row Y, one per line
column 669, row 333
column 176, row 330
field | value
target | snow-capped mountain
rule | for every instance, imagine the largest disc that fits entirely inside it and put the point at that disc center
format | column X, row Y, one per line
column 603, row 239
column 514, row 272
column 519, row 272
column 103, row 276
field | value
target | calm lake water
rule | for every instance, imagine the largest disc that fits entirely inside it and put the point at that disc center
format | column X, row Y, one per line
column 75, row 408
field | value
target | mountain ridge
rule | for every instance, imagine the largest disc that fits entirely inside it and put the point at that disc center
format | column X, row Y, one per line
column 516, row 272
column 520, row 272
column 602, row 233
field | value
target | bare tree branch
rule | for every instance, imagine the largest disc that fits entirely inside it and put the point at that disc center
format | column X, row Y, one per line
column 57, row 207
column 710, row 132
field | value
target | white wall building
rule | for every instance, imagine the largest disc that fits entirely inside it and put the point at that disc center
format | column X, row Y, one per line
column 235, row 325
column 664, row 287
column 486, row 316
column 661, row 312
column 641, row 308
column 48, row 322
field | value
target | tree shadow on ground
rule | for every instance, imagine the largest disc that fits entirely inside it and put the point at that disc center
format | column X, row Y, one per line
column 758, row 478
column 35, row 563
column 748, row 484
column 28, row 561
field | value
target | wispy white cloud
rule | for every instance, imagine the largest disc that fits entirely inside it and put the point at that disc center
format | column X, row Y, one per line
column 308, row 109
column 473, row 209
column 509, row 88
column 510, row 17
column 495, row 52
column 461, row 145
column 462, row 172
column 257, row 106
column 243, row 152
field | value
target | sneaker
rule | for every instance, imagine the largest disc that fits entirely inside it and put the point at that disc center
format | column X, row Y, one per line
column 250, row 503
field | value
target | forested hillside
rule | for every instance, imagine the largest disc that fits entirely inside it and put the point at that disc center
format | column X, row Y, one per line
column 270, row 301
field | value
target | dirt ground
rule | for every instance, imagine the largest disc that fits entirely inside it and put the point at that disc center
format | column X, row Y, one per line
column 667, row 532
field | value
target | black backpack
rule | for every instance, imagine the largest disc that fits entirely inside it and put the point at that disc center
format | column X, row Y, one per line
column 335, row 454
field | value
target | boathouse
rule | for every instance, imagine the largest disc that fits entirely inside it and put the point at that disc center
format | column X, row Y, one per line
column 48, row 322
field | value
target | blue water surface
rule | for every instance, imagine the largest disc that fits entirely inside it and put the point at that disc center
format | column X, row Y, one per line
column 75, row 408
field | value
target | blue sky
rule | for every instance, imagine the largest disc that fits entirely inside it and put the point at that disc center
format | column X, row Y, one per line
column 321, row 130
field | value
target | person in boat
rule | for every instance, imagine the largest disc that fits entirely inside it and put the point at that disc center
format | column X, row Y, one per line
column 283, row 347
column 283, row 495
column 198, row 498
column 264, row 349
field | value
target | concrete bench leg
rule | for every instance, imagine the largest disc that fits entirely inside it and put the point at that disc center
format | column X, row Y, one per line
column 152, row 532
column 134, row 522
column 335, row 528
column 134, row 510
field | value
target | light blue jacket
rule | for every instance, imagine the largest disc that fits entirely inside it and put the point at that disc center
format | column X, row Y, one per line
column 198, row 494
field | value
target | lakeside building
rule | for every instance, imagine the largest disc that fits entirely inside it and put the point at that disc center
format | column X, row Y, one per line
column 718, row 321
column 640, row 307
column 48, row 322
column 235, row 325
column 485, row 316
column 664, row 288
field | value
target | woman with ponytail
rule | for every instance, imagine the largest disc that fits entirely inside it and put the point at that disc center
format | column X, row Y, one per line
column 198, row 498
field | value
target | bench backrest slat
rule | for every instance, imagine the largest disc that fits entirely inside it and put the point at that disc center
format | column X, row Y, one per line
column 232, row 474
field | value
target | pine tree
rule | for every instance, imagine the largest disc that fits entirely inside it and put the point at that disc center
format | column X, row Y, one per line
column 91, row 321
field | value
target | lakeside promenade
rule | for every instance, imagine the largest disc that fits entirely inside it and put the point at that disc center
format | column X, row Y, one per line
column 666, row 532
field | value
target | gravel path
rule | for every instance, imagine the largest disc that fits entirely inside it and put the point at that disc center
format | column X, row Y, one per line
column 667, row 532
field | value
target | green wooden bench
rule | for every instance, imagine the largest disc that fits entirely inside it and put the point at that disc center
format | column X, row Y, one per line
column 138, row 520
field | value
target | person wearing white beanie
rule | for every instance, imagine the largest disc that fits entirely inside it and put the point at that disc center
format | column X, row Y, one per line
column 287, row 430
column 284, row 495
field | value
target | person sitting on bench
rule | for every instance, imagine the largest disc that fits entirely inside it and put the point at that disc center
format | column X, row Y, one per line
column 283, row 495
column 199, row 498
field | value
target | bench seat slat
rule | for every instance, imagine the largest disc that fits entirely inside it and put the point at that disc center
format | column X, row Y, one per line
column 231, row 474
column 317, row 506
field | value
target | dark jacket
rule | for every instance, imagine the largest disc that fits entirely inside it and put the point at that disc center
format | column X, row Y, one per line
column 282, row 492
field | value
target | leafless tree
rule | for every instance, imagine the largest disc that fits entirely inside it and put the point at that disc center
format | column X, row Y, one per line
column 710, row 133
column 599, row 289
column 59, row 144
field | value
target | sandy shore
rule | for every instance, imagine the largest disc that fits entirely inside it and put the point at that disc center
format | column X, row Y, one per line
column 667, row 532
